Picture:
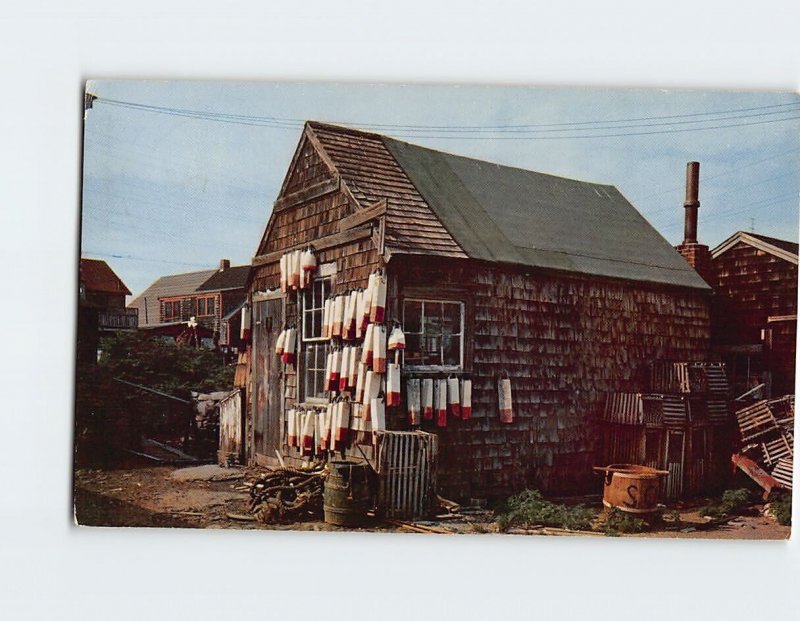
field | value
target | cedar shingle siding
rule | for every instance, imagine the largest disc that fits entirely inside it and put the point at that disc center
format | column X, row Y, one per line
column 565, row 337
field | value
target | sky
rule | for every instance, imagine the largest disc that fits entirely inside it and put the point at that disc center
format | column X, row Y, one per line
column 180, row 174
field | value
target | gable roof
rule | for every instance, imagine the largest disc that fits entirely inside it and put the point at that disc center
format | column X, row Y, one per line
column 778, row 243
column 780, row 248
column 229, row 278
column 166, row 286
column 371, row 173
column 96, row 276
column 448, row 205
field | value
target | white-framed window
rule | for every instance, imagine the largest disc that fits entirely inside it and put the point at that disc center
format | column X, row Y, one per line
column 314, row 346
column 434, row 331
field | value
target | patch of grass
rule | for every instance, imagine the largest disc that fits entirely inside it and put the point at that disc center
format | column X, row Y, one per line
column 619, row 522
column 528, row 509
column 733, row 502
column 782, row 509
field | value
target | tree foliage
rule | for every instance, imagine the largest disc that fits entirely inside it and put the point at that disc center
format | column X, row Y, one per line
column 112, row 413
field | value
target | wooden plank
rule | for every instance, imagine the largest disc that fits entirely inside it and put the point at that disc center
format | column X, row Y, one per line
column 317, row 190
column 363, row 216
column 323, row 243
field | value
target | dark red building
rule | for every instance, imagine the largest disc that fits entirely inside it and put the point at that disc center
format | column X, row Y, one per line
column 101, row 306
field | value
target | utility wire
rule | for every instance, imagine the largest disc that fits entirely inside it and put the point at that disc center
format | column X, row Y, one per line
column 252, row 121
column 726, row 173
column 295, row 122
column 133, row 258
column 766, row 202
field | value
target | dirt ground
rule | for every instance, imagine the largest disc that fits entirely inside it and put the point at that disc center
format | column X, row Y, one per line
column 213, row 497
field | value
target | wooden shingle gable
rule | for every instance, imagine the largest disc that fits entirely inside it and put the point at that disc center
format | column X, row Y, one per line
column 315, row 173
column 757, row 242
column 370, row 174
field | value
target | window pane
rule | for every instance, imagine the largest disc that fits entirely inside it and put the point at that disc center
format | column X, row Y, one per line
column 432, row 323
column 451, row 346
column 309, row 388
column 314, row 370
column 433, row 333
column 313, row 309
column 210, row 306
column 412, row 317
column 412, row 355
column 451, row 318
column 431, row 348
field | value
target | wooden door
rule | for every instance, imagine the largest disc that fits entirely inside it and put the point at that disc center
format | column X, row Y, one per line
column 267, row 395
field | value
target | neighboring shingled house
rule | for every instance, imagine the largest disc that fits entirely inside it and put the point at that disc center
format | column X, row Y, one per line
column 494, row 272
column 755, row 317
column 209, row 296
column 754, row 312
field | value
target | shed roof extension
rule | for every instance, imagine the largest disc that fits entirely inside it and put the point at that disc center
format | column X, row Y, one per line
column 448, row 205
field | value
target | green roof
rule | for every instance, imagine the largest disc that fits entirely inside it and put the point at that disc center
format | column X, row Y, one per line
column 510, row 215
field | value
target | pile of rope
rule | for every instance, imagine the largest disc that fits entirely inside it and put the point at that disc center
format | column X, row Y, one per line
column 288, row 494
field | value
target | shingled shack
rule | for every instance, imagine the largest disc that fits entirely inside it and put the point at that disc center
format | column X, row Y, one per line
column 493, row 273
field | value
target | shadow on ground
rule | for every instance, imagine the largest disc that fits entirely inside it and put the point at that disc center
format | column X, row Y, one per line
column 92, row 509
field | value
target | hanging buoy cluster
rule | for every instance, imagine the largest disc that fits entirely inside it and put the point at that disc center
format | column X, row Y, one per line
column 297, row 269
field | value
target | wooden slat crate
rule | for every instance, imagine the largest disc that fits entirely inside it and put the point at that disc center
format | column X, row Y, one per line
column 777, row 448
column 669, row 377
column 698, row 378
column 717, row 380
column 783, row 410
column 698, row 410
column 718, row 413
column 783, row 471
column 624, row 408
column 755, row 420
column 675, row 414
column 407, row 473
column 653, row 410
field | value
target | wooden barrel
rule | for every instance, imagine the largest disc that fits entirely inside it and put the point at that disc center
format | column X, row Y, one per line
column 347, row 496
column 631, row 487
